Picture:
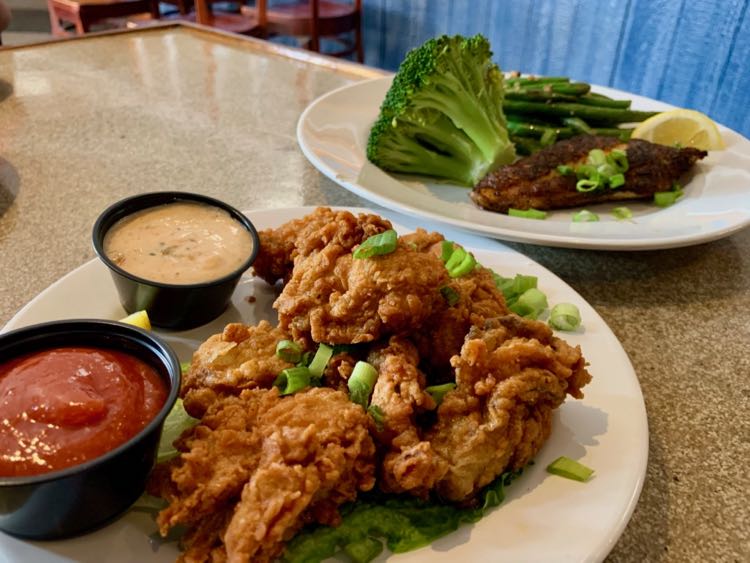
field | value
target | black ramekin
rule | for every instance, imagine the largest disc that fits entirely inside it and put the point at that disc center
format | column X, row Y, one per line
column 171, row 306
column 84, row 497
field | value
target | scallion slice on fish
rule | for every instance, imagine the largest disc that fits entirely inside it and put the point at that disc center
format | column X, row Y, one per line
column 570, row 469
column 585, row 216
column 665, row 199
column 361, row 382
column 621, row 213
column 527, row 213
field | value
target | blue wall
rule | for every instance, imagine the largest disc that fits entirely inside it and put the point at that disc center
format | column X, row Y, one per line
column 692, row 54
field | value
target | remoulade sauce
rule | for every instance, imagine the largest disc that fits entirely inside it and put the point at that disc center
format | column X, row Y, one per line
column 179, row 243
column 63, row 406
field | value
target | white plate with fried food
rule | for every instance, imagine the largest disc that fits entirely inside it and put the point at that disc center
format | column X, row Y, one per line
column 333, row 133
column 543, row 518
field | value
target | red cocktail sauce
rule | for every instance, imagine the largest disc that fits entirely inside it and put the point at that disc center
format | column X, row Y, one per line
column 63, row 406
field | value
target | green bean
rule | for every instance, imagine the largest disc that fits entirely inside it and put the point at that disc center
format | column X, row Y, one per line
column 524, row 80
column 591, row 99
column 536, row 131
column 577, row 124
column 595, row 114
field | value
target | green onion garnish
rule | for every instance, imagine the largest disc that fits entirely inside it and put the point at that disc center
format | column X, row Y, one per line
column 437, row 392
column 292, row 380
column 601, row 170
column 570, row 469
column 530, row 304
column 512, row 288
column 621, row 213
column 459, row 262
column 565, row 170
column 616, row 180
column 587, row 185
column 377, row 245
column 455, row 258
column 447, row 248
column 378, row 416
column 450, row 295
column 361, row 382
column 465, row 267
column 527, row 213
column 665, row 199
column 184, row 367
column 289, row 351
column 585, row 216
column 620, row 159
column 565, row 316
column 320, row 360
column 596, row 157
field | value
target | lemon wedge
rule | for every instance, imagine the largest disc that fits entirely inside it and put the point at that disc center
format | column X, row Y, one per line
column 139, row 319
column 682, row 127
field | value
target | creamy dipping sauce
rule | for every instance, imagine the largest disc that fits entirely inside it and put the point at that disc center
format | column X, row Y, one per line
column 179, row 243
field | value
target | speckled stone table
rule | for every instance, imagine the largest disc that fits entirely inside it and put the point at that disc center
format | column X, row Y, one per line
column 85, row 122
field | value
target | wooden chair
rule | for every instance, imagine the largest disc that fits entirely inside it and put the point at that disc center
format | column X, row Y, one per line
column 82, row 14
column 317, row 19
column 204, row 14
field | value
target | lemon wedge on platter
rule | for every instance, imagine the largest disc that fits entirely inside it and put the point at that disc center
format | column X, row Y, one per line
column 139, row 319
column 683, row 127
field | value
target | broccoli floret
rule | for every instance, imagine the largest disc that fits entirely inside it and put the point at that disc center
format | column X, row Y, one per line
column 442, row 116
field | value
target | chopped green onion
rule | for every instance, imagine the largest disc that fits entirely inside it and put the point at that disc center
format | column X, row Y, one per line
column 606, row 170
column 596, row 157
column 437, row 392
column 378, row 416
column 376, row 245
column 585, row 216
column 665, row 199
column 466, row 266
column 621, row 213
column 184, row 367
column 619, row 159
column 530, row 304
column 565, row 316
column 289, row 351
column 588, row 185
column 292, row 380
column 616, row 180
column 565, row 170
column 527, row 213
column 512, row 288
column 446, row 250
column 361, row 382
column 305, row 359
column 450, row 295
column 570, row 469
column 455, row 259
column 320, row 360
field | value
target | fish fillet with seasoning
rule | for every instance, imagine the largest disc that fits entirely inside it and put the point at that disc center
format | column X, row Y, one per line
column 535, row 182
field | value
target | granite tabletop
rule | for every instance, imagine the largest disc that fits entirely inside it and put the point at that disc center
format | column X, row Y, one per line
column 86, row 122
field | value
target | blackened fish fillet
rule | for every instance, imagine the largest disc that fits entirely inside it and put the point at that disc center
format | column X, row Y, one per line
column 534, row 182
